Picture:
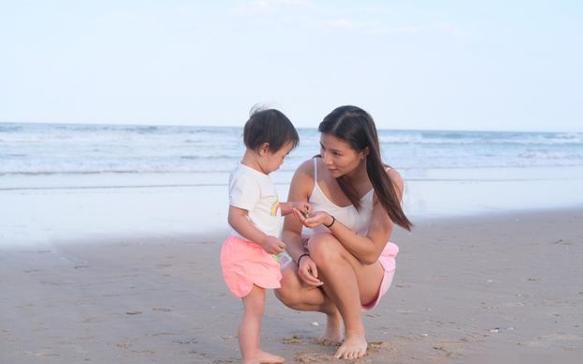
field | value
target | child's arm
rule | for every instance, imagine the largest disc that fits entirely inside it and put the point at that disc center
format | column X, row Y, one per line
column 288, row 208
column 239, row 220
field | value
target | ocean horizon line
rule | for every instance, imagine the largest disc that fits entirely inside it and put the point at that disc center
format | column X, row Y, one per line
column 203, row 126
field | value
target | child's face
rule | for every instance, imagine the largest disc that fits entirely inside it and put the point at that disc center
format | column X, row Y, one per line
column 273, row 160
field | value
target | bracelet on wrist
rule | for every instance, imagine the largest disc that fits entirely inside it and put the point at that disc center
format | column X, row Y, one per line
column 301, row 256
column 332, row 223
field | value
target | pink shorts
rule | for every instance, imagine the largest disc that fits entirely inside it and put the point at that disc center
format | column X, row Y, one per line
column 245, row 264
column 389, row 263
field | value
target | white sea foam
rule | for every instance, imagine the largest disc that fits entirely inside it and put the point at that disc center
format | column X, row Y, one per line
column 31, row 149
column 69, row 181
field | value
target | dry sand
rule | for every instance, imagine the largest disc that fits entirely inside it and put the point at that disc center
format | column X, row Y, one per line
column 499, row 289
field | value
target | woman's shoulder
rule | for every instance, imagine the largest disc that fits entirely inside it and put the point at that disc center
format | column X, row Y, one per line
column 394, row 174
column 396, row 179
column 303, row 179
column 307, row 168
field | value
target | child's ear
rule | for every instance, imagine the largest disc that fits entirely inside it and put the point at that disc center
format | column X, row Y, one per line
column 264, row 149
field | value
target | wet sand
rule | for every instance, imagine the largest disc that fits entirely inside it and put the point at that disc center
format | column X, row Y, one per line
column 504, row 288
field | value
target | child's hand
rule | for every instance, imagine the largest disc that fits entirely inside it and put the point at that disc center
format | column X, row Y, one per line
column 273, row 245
column 303, row 207
column 315, row 219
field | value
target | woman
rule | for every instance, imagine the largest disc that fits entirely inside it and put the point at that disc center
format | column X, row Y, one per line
column 347, row 262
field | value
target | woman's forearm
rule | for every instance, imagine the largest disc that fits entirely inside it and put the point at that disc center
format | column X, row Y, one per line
column 361, row 247
column 294, row 244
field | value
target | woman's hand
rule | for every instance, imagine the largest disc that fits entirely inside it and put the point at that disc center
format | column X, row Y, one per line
column 308, row 272
column 315, row 219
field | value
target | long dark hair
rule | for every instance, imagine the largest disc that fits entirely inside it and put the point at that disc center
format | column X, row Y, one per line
column 357, row 128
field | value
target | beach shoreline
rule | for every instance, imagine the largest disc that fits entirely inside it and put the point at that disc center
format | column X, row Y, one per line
column 45, row 208
column 467, row 290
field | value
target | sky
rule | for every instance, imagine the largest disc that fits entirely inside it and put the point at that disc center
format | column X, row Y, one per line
column 452, row 65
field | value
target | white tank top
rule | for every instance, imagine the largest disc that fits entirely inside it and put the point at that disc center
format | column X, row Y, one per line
column 357, row 221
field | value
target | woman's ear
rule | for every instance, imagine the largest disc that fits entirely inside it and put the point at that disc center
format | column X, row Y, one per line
column 364, row 153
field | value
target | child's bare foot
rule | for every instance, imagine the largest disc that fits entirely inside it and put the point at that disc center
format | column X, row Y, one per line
column 353, row 347
column 264, row 357
column 334, row 334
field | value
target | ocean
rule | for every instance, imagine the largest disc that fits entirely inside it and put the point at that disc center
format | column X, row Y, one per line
column 72, row 149
column 81, row 182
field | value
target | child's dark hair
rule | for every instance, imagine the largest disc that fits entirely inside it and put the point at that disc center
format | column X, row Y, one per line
column 269, row 126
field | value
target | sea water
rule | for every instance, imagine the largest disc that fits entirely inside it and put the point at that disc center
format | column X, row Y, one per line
column 64, row 180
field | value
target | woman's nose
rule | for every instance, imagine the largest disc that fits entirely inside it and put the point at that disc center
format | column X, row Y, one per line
column 326, row 159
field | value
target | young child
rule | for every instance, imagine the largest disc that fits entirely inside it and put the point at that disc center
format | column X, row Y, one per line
column 249, row 256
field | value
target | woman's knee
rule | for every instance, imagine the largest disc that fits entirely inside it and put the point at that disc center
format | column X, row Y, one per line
column 325, row 249
column 289, row 293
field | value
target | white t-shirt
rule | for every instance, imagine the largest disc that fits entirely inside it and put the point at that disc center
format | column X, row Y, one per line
column 254, row 191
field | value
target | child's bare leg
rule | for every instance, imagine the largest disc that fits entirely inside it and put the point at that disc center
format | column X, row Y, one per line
column 250, row 329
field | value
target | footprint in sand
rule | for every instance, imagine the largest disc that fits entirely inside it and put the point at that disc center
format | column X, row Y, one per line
column 164, row 334
column 188, row 341
column 307, row 358
column 377, row 346
column 292, row 340
column 451, row 349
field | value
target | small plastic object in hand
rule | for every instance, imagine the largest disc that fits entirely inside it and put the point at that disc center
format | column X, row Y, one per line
column 283, row 258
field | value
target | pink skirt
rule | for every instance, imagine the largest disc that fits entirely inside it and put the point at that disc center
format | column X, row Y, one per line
column 245, row 264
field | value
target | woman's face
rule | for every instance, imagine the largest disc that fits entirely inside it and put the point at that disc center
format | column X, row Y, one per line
column 338, row 155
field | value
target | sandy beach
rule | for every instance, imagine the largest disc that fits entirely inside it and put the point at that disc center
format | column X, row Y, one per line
column 499, row 288
column 121, row 124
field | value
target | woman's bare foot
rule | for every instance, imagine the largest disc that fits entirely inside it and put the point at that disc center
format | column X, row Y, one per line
column 353, row 347
column 334, row 333
column 264, row 357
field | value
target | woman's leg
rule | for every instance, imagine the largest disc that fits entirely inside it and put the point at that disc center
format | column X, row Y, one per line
column 347, row 283
column 298, row 296
column 250, row 329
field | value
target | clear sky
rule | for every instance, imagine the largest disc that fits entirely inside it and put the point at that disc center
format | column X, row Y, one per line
column 471, row 65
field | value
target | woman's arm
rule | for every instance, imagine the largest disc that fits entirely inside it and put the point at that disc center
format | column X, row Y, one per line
column 366, row 249
column 300, row 189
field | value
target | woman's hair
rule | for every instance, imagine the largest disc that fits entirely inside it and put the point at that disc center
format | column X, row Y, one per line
column 357, row 128
column 269, row 126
